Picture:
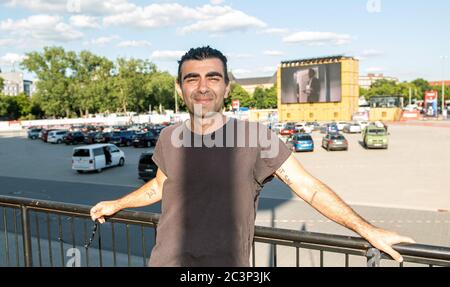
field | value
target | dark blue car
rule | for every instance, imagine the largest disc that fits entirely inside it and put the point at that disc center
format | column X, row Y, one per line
column 122, row 138
column 301, row 142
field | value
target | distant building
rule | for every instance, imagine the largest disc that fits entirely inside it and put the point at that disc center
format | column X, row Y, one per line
column 14, row 84
column 250, row 84
column 439, row 83
column 366, row 81
column 388, row 102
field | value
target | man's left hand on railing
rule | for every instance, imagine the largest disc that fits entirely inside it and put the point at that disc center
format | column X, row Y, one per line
column 383, row 240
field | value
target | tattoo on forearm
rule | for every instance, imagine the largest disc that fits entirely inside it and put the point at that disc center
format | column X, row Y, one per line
column 151, row 193
column 312, row 198
column 284, row 176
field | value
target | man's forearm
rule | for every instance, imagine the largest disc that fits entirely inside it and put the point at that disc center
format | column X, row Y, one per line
column 148, row 194
column 326, row 201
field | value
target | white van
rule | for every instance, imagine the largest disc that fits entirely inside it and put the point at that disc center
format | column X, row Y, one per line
column 56, row 136
column 96, row 157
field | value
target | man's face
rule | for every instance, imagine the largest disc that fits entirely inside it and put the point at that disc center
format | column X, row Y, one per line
column 203, row 86
column 311, row 73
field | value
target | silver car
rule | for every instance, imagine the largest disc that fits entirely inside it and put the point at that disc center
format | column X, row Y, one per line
column 334, row 141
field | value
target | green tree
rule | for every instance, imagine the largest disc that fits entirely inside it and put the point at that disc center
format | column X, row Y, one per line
column 2, row 84
column 421, row 86
column 161, row 90
column 129, row 83
column 90, row 83
column 238, row 93
column 52, row 68
column 382, row 88
column 14, row 107
column 265, row 98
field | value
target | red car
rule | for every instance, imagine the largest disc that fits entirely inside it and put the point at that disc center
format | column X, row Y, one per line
column 288, row 130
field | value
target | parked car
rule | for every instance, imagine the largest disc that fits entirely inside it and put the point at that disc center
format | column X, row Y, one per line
column 277, row 127
column 301, row 142
column 94, row 138
column 106, row 137
column 363, row 124
column 341, row 125
column 147, row 168
column 288, row 130
column 329, row 128
column 375, row 137
column 74, row 138
column 147, row 139
column 334, row 141
column 44, row 134
column 159, row 128
column 56, row 137
column 314, row 125
column 122, row 138
column 352, row 128
column 96, row 157
column 33, row 133
column 303, row 127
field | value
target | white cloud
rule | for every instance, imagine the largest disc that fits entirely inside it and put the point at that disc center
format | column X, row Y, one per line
column 268, row 69
column 275, row 31
column 102, row 41
column 39, row 5
column 273, row 53
column 11, row 58
column 209, row 18
column 369, row 54
column 153, row 16
column 134, row 44
column 232, row 20
column 241, row 71
column 167, row 55
column 84, row 21
column 41, row 27
column 318, row 38
column 216, row 2
column 6, row 42
column 91, row 7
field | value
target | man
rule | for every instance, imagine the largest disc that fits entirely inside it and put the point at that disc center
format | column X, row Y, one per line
column 312, row 87
column 210, row 191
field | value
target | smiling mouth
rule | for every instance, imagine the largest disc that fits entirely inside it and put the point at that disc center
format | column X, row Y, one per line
column 202, row 101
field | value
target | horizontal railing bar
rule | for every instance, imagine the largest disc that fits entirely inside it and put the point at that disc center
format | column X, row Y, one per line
column 340, row 241
column 341, row 250
column 337, row 250
column 76, row 209
column 416, row 250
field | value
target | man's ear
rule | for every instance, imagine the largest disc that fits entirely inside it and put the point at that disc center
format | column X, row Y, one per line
column 178, row 89
column 227, row 91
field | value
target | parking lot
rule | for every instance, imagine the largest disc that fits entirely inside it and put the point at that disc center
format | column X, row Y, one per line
column 401, row 188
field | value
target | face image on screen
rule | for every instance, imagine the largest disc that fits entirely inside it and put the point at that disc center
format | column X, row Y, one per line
column 311, row 84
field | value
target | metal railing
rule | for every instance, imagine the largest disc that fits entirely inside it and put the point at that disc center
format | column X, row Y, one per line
column 44, row 233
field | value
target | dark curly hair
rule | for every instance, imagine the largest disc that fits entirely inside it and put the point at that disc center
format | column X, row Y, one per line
column 203, row 53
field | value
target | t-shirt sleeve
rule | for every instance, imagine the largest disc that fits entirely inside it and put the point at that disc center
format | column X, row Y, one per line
column 158, row 154
column 270, row 158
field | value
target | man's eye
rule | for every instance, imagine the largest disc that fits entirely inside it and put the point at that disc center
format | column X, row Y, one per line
column 191, row 80
column 215, row 79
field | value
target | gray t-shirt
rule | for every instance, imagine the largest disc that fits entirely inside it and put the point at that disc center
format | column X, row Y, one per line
column 211, row 193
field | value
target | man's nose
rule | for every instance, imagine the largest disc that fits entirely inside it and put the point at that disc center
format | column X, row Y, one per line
column 203, row 86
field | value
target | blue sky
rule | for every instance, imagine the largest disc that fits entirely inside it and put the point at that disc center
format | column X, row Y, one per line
column 399, row 38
